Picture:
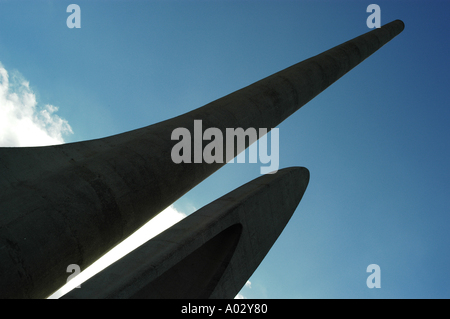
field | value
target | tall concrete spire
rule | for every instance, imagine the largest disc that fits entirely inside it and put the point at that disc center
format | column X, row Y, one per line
column 71, row 203
column 212, row 252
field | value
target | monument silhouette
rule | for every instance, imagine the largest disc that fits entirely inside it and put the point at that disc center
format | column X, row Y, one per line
column 72, row 203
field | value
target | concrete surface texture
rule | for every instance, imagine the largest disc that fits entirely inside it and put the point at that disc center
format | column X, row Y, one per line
column 72, row 203
column 212, row 252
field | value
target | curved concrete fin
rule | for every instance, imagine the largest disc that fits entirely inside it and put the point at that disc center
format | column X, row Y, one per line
column 212, row 252
column 71, row 203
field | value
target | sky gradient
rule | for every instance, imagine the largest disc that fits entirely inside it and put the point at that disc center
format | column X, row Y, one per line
column 376, row 142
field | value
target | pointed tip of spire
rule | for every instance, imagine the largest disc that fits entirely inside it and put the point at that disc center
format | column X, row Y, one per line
column 400, row 23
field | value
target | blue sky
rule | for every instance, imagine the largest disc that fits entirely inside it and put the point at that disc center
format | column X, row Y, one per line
column 376, row 142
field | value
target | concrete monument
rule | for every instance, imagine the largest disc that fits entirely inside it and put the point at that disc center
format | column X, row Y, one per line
column 72, row 203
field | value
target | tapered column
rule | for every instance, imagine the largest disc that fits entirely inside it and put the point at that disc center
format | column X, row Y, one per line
column 212, row 252
column 70, row 204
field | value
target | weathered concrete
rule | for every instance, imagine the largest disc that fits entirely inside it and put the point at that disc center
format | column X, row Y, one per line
column 70, row 204
column 212, row 252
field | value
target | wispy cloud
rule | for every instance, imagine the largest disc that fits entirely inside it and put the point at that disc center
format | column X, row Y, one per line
column 22, row 121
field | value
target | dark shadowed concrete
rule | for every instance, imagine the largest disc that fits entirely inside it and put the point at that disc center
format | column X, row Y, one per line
column 72, row 203
column 212, row 252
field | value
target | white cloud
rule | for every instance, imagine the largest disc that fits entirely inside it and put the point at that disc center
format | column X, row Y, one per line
column 158, row 224
column 248, row 284
column 22, row 122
